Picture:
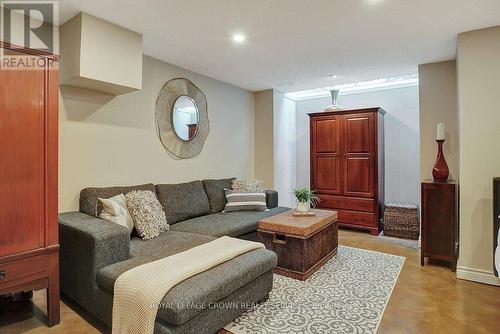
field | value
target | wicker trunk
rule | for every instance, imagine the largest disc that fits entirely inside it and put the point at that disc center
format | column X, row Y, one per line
column 298, row 257
column 401, row 220
column 301, row 248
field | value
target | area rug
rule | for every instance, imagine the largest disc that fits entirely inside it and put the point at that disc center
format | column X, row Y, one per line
column 347, row 295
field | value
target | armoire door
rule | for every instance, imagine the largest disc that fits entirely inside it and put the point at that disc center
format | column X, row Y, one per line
column 358, row 155
column 326, row 154
column 22, row 163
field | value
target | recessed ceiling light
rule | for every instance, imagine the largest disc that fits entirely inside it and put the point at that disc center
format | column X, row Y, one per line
column 239, row 38
column 333, row 76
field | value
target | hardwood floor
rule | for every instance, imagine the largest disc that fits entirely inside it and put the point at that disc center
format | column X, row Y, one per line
column 425, row 300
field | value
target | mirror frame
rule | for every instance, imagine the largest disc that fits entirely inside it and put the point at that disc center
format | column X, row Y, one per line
column 164, row 109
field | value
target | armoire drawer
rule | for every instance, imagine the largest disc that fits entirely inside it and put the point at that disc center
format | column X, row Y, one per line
column 17, row 269
column 357, row 218
column 346, row 203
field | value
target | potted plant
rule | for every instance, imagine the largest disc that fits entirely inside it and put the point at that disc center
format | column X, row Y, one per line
column 305, row 198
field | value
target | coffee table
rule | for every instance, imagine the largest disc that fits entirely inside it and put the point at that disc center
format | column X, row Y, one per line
column 303, row 244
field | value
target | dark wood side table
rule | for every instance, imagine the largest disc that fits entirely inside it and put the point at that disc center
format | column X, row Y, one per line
column 439, row 221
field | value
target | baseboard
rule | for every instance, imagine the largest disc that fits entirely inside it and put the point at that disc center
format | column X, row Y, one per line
column 476, row 275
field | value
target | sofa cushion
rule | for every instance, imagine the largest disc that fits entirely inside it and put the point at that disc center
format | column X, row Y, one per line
column 215, row 193
column 183, row 200
column 233, row 224
column 90, row 205
column 190, row 297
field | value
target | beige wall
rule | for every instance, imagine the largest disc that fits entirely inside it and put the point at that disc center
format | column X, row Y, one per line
column 106, row 140
column 478, row 65
column 264, row 137
column 438, row 103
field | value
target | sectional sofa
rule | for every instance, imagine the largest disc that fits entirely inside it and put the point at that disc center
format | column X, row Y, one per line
column 94, row 252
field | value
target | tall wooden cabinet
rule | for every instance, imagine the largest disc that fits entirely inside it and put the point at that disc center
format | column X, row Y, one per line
column 347, row 164
column 29, row 249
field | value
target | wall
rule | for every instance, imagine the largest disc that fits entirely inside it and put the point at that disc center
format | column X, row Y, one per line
column 284, row 148
column 478, row 70
column 264, row 137
column 106, row 140
column 401, row 138
column 438, row 103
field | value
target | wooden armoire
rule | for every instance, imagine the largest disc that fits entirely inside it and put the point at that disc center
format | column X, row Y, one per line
column 29, row 247
column 347, row 164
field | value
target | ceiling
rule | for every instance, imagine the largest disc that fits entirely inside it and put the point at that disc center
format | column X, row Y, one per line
column 295, row 44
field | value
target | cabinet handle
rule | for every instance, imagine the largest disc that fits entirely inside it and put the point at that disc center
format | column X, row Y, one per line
column 2, row 274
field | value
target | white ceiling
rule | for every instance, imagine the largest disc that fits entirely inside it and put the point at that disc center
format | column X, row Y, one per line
column 295, row 44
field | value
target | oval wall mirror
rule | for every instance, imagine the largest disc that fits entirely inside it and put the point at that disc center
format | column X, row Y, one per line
column 185, row 118
column 182, row 118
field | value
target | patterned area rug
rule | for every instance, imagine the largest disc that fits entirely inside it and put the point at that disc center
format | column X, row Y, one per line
column 347, row 295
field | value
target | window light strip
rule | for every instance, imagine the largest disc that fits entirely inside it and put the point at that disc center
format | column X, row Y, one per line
column 356, row 88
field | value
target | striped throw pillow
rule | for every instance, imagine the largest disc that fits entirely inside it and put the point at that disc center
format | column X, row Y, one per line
column 245, row 201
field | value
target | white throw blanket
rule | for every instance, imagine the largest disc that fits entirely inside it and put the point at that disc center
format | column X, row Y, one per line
column 139, row 291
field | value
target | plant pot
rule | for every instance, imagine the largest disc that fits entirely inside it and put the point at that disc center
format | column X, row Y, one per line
column 303, row 207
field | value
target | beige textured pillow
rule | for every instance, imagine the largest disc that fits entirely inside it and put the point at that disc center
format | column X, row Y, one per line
column 147, row 213
column 115, row 210
column 250, row 186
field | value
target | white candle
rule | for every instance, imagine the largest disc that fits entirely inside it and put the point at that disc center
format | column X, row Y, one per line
column 440, row 131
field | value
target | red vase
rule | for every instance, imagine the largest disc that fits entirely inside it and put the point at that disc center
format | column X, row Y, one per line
column 440, row 171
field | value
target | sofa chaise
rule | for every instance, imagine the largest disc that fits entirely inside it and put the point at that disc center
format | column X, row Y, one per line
column 94, row 252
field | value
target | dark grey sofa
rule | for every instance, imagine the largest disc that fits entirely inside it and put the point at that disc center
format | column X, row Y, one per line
column 94, row 252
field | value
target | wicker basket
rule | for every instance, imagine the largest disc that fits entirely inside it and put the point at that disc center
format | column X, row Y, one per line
column 401, row 220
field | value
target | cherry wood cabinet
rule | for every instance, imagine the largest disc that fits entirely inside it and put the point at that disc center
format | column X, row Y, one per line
column 192, row 129
column 439, row 222
column 347, row 164
column 29, row 249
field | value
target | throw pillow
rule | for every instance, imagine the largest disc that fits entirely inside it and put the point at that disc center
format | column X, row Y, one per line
column 245, row 201
column 247, row 186
column 147, row 213
column 115, row 210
